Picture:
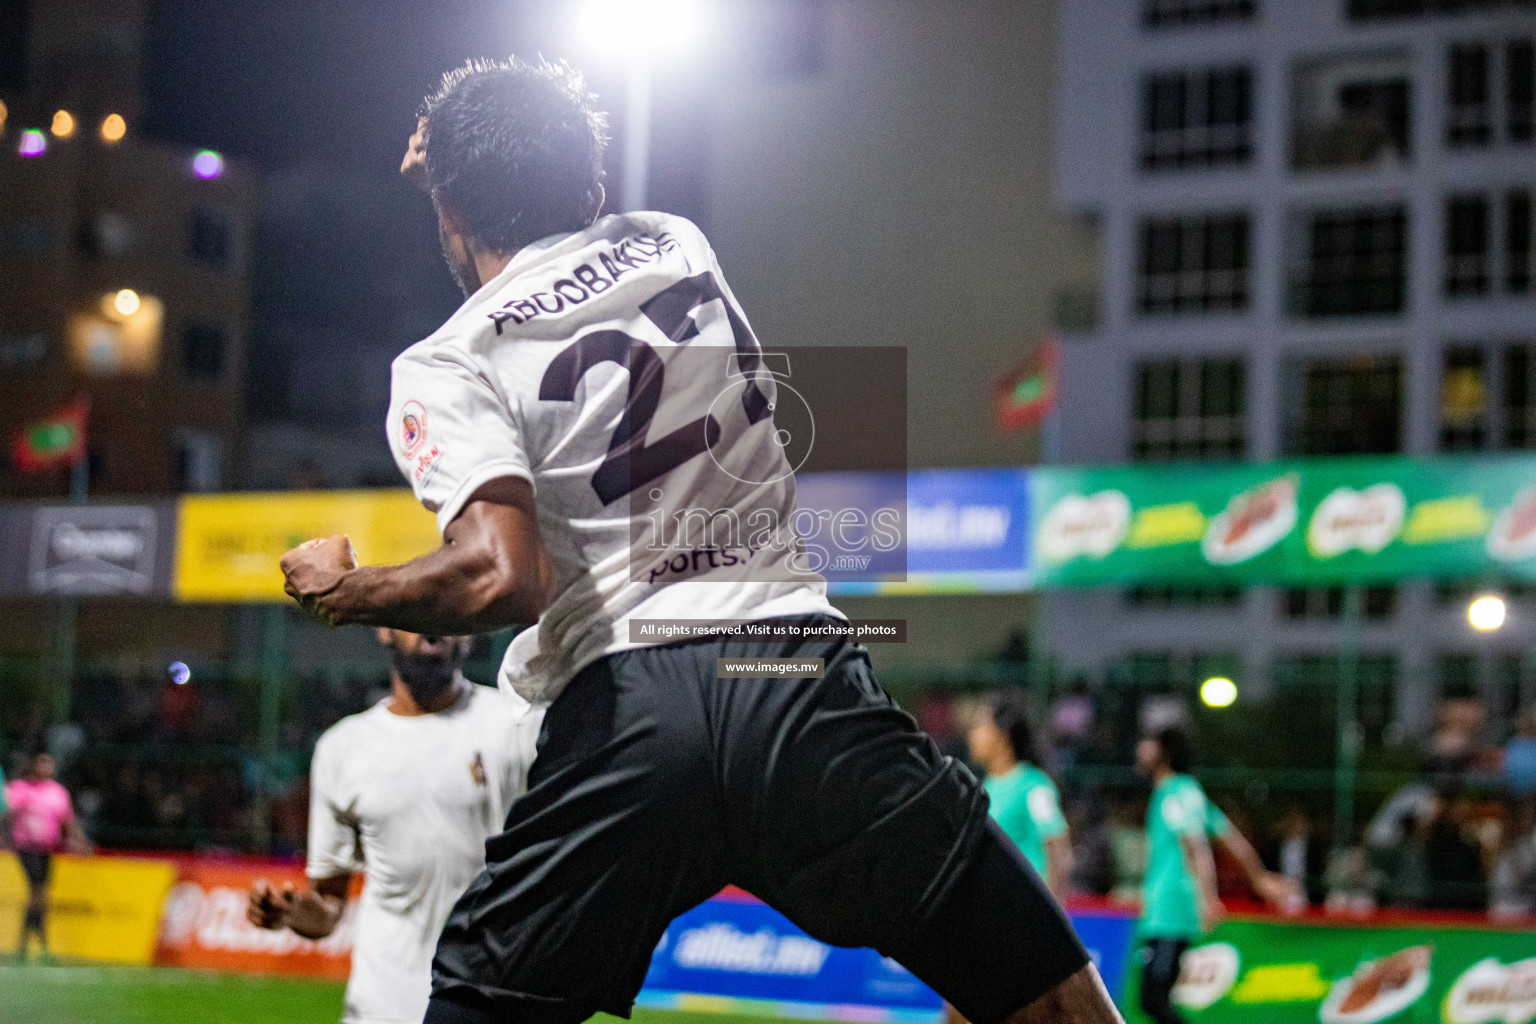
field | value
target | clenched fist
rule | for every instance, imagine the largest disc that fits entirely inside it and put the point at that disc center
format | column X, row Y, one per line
column 313, row 570
column 413, row 167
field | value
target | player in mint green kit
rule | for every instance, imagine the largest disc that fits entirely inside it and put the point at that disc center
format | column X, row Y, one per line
column 1025, row 802
column 1179, row 901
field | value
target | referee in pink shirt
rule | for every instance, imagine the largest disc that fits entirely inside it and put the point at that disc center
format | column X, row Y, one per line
column 42, row 821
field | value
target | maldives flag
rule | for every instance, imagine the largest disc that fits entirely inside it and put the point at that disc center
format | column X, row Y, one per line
column 1025, row 395
column 55, row 441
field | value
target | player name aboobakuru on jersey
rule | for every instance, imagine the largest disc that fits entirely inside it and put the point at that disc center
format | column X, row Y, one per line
column 614, row 370
column 585, row 280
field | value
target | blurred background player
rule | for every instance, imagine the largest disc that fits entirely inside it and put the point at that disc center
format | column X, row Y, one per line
column 1025, row 802
column 42, row 821
column 407, row 793
column 1179, row 899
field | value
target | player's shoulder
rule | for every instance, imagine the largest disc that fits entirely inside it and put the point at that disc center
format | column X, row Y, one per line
column 1037, row 778
column 488, row 703
column 351, row 731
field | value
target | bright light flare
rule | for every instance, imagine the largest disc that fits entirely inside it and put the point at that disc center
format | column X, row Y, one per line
column 63, row 125
column 32, row 143
column 207, row 164
column 1487, row 613
column 644, row 26
column 126, row 302
column 180, row 674
column 113, row 128
column 1218, row 692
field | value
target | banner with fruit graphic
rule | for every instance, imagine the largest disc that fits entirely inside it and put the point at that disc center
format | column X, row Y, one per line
column 1298, row 522
column 1275, row 972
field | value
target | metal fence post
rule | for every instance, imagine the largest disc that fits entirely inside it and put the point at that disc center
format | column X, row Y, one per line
column 1348, row 697
column 274, row 667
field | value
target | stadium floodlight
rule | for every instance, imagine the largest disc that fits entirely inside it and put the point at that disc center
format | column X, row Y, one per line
column 637, row 32
column 1218, row 692
column 641, row 28
column 1487, row 613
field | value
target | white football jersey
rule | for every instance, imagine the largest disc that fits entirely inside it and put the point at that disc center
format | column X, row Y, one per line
column 613, row 370
column 409, row 801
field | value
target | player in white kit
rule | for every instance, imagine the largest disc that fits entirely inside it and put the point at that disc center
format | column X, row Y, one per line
column 405, row 793
column 595, row 430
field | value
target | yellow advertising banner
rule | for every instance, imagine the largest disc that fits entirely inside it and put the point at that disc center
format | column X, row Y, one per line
column 99, row 908
column 228, row 545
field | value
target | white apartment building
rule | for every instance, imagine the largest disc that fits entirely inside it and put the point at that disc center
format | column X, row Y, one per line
column 1315, row 224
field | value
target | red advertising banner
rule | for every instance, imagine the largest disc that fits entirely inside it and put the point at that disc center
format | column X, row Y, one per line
column 203, row 924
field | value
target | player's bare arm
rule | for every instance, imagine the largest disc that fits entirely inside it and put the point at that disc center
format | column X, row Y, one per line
column 1202, row 868
column 1058, row 865
column 1081, row 999
column 75, row 841
column 1272, row 888
column 491, row 571
column 313, row 913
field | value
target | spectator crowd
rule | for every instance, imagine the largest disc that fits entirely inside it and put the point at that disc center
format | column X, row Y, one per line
column 159, row 765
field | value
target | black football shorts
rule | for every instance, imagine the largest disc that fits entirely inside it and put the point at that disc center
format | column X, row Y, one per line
column 657, row 783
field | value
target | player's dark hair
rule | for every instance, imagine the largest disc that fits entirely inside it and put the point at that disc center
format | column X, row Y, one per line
column 1010, row 713
column 1177, row 747
column 515, row 149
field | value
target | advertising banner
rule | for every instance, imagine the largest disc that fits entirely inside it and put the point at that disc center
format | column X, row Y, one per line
column 86, row 550
column 1277, row 972
column 228, row 545
column 100, row 908
column 962, row 530
column 733, row 954
column 204, row 925
column 1304, row 522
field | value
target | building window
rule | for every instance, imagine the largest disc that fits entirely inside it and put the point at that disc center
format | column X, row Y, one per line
column 1197, row 119
column 197, row 461
column 1466, row 245
column 107, row 235
column 1517, row 241
column 1519, row 397
column 1459, row 593
column 1303, row 603
column 1364, row 10
column 1172, row 13
column 210, row 238
column 1350, row 406
column 29, row 236
column 1182, row 598
column 1469, row 117
column 1519, row 87
column 1351, row 111
column 1463, row 399
column 1354, row 263
column 1194, row 264
column 203, row 351
column 1189, row 409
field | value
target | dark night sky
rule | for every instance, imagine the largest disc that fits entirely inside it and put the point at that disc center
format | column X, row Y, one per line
column 320, row 97
column 295, row 80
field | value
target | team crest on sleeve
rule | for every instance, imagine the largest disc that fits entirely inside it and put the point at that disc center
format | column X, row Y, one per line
column 413, row 427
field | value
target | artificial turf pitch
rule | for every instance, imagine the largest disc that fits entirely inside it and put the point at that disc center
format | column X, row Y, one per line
column 38, row 994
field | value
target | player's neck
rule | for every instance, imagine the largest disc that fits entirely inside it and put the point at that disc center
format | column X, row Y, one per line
column 1002, row 765
column 1162, row 774
column 403, row 702
column 488, row 264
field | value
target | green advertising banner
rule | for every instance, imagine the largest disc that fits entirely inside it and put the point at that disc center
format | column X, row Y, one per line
column 1300, row 522
column 1274, row 972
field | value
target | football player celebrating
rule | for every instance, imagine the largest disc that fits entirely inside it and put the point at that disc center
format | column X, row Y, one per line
column 555, row 424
